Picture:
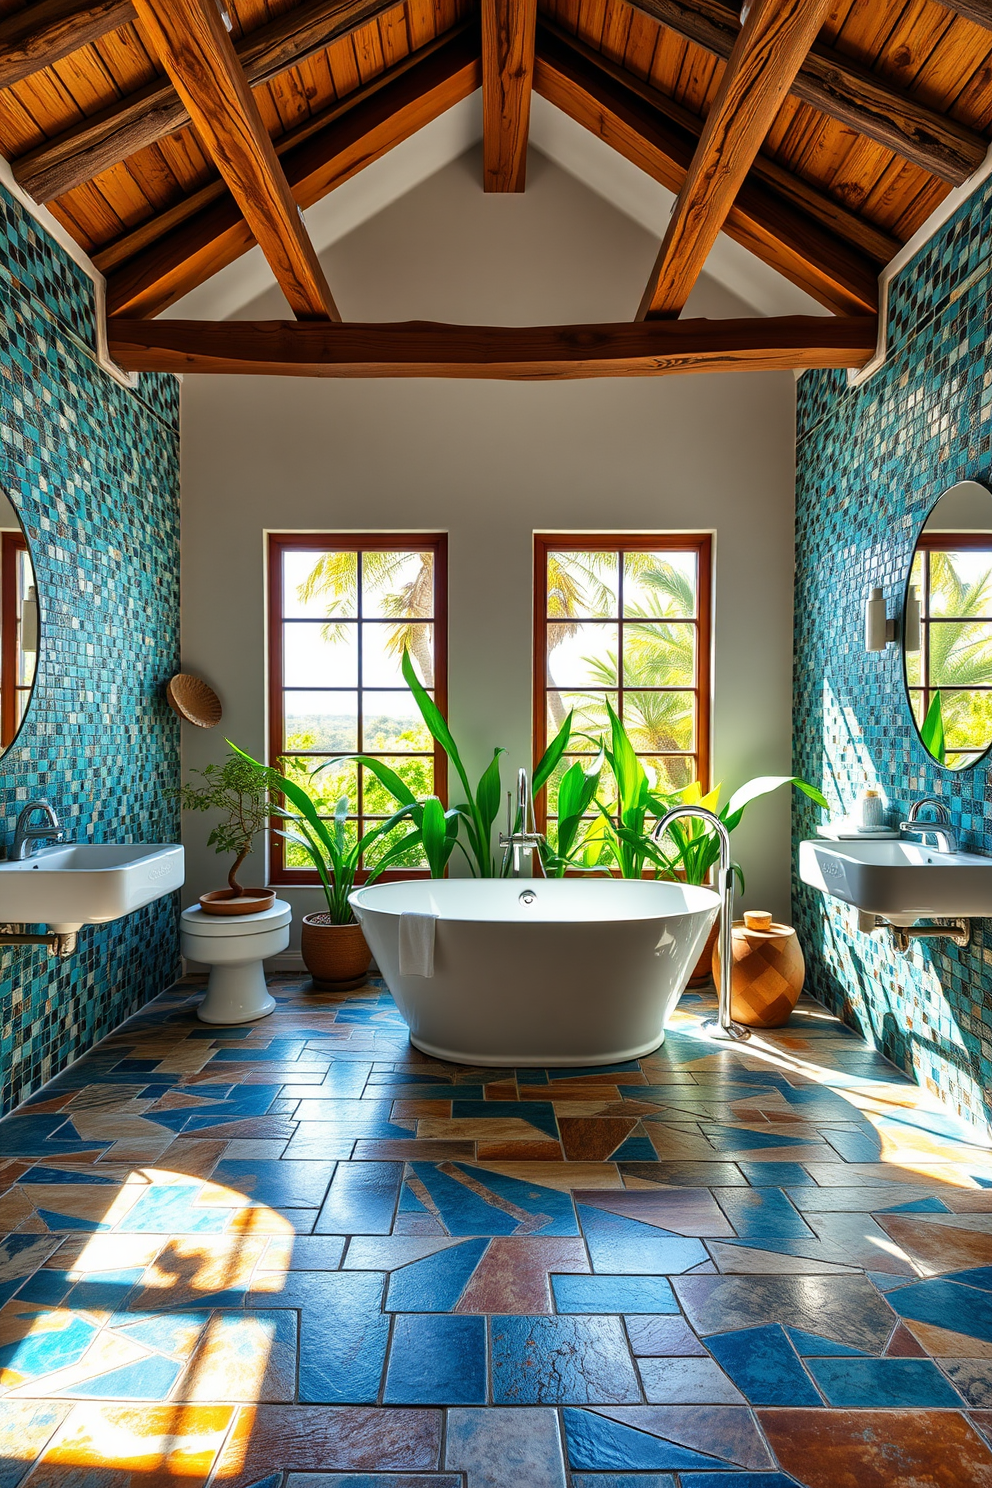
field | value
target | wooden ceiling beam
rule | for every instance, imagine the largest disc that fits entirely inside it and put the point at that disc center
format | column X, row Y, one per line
column 318, row 156
column 508, row 28
column 767, row 54
column 45, row 33
column 846, row 90
column 196, row 51
column 426, row 349
column 156, row 111
column 777, row 230
column 979, row 11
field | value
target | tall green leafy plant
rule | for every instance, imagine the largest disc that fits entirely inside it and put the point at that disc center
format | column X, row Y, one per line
column 697, row 847
column 334, row 852
column 932, row 730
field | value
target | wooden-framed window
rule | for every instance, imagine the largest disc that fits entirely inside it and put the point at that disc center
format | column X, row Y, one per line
column 625, row 618
column 952, row 574
column 342, row 608
column 16, row 665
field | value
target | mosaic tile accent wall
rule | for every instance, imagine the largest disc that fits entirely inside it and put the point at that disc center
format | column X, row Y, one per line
column 92, row 469
column 871, row 462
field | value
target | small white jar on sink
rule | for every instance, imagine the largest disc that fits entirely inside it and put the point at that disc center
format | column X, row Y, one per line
column 234, row 948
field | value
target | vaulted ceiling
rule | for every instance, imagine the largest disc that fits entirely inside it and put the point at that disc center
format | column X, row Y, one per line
column 169, row 136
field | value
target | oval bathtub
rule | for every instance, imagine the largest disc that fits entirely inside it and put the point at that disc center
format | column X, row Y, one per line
column 554, row 972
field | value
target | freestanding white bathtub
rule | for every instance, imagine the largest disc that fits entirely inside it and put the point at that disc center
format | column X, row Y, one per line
column 540, row 972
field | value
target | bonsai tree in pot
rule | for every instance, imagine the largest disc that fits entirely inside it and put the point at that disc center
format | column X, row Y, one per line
column 331, row 942
column 238, row 791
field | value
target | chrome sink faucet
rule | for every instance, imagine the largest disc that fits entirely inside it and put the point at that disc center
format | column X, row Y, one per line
column 27, row 834
column 526, row 838
column 914, row 830
column 725, row 1024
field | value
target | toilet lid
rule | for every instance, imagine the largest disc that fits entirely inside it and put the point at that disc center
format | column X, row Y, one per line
column 195, row 922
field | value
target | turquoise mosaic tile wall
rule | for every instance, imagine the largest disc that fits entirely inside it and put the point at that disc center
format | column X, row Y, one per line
column 871, row 462
column 92, row 470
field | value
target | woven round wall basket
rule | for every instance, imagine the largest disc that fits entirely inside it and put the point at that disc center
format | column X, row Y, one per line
column 194, row 700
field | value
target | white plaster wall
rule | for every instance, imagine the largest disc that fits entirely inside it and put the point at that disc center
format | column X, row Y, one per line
column 491, row 463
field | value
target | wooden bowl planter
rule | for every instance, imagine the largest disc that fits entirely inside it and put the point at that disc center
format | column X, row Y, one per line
column 768, row 971
column 336, row 956
column 194, row 700
column 229, row 902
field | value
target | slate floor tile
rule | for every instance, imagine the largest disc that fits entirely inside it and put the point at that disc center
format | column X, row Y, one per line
column 619, row 1244
column 499, row 1447
column 883, row 1382
column 613, row 1294
column 561, row 1361
column 436, row 1361
column 662, row 1335
column 596, row 1444
column 361, row 1199
column 825, row 1448
column 764, row 1366
column 687, row 1381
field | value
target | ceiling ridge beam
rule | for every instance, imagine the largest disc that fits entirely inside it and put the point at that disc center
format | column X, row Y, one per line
column 508, row 28
column 767, row 54
column 45, row 33
column 861, row 234
column 196, row 51
column 846, row 90
column 428, row 349
column 155, row 111
column 314, row 161
column 786, row 238
column 979, row 11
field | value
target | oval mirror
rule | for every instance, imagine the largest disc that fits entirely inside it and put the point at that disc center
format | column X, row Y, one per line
column 947, row 628
column 18, row 624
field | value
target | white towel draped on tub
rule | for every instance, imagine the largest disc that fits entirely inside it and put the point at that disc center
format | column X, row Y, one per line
column 417, row 943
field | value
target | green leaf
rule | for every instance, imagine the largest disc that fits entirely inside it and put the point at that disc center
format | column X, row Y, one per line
column 763, row 785
column 438, row 839
column 549, row 760
column 632, row 782
column 932, row 731
column 387, row 777
column 487, row 796
column 434, row 719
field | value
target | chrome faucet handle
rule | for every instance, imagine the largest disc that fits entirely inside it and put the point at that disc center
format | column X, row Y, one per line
column 25, row 832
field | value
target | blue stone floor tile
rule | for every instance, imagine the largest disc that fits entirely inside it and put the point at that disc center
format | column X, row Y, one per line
column 916, row 1206
column 437, row 1361
column 343, row 1336
column 975, row 1276
column 947, row 1304
column 812, row 1345
column 777, row 1174
column 146, row 1379
column 883, row 1383
column 591, row 1294
column 764, row 1366
column 620, row 1245
column 596, row 1444
column 281, row 1184
column 763, row 1213
column 435, row 1283
column 737, row 1480
column 361, row 1199
column 561, row 1361
column 622, row 1480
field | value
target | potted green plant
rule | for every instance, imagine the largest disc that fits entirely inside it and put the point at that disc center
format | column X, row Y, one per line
column 238, row 791
column 333, row 947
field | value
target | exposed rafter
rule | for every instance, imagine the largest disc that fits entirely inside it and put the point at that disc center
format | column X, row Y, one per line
column 45, row 33
column 786, row 238
column 507, row 79
column 979, row 11
column 139, row 119
column 426, row 349
column 845, row 90
column 196, row 51
column 775, row 37
column 316, row 158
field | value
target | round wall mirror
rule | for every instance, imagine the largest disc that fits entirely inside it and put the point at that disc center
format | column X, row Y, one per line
column 947, row 628
column 18, row 625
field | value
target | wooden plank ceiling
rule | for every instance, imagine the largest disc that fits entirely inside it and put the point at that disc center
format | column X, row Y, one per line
column 822, row 152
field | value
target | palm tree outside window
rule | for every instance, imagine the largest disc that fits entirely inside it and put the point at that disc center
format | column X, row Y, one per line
column 951, row 674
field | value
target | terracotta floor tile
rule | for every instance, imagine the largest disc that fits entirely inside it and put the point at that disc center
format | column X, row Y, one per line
column 317, row 1438
column 563, row 1176
column 879, row 1449
column 593, row 1138
column 937, row 1248
column 512, row 1276
column 531, row 1151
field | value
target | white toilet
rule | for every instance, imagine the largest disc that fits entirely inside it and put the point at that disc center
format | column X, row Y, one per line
column 234, row 948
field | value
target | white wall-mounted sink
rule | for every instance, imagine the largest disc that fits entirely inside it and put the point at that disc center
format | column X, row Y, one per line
column 82, row 883
column 901, row 881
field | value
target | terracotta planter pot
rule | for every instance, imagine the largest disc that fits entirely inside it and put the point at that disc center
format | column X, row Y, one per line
column 336, row 956
column 224, row 902
column 768, row 972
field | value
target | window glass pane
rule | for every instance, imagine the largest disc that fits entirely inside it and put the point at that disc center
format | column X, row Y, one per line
column 297, row 857
column 316, row 584
column 417, row 774
column 590, row 715
column 967, row 718
column 659, row 655
column 397, row 585
column 659, row 721
column 582, row 586
column 914, row 668
column 321, row 720
column 582, row 655
column 660, row 584
column 960, row 653
column 382, row 654
column 392, row 722
column 324, row 783
column 670, row 774
column 316, row 655
column 961, row 582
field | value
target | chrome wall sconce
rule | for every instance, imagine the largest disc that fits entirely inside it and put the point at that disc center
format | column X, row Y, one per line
column 882, row 630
